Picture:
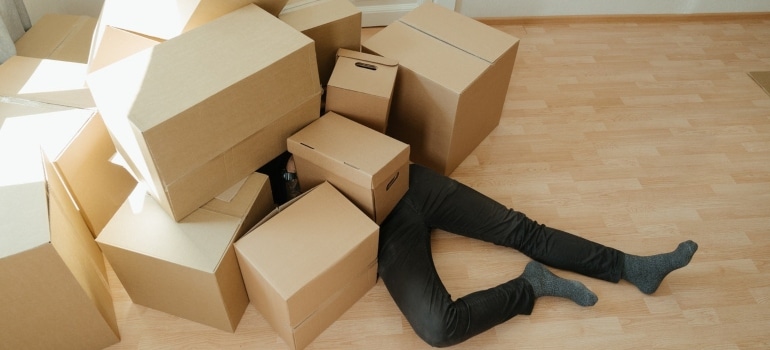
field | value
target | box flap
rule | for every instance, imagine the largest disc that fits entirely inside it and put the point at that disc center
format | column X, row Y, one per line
column 342, row 146
column 25, row 129
column 44, row 80
column 118, row 44
column 464, row 33
column 362, row 56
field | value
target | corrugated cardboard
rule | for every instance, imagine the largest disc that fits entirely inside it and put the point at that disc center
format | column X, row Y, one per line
column 196, row 113
column 58, row 37
column 452, row 81
column 53, row 279
column 332, row 24
column 96, row 184
column 307, row 264
column 167, row 19
column 370, row 168
column 361, row 88
column 187, row 268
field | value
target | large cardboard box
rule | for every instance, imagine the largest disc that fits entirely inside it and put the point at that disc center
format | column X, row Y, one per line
column 53, row 278
column 306, row 265
column 361, row 88
column 370, row 168
column 452, row 81
column 186, row 268
column 58, row 37
column 195, row 114
column 97, row 184
column 332, row 24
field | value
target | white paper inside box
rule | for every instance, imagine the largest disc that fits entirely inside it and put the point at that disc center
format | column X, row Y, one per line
column 297, row 261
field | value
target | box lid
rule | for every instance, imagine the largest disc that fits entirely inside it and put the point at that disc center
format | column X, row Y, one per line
column 44, row 80
column 25, row 130
column 362, row 72
column 199, row 241
column 364, row 156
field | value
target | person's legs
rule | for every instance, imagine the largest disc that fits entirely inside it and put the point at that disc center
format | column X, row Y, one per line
column 457, row 208
column 406, row 267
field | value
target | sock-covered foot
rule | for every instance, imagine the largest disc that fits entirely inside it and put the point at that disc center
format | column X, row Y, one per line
column 545, row 283
column 648, row 272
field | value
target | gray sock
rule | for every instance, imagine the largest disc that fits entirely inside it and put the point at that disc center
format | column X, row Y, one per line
column 545, row 283
column 647, row 272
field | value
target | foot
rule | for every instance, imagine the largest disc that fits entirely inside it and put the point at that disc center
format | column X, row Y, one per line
column 545, row 283
column 648, row 272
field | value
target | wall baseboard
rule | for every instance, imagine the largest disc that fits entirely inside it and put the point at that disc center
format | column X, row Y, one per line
column 572, row 19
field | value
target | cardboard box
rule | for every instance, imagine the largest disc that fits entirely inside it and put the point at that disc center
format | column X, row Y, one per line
column 361, row 88
column 370, row 168
column 186, row 268
column 197, row 113
column 306, row 265
column 58, row 37
column 95, row 182
column 52, row 274
column 332, row 24
column 452, row 81
column 167, row 19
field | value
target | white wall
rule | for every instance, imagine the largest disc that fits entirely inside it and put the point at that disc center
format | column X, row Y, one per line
column 532, row 8
column 493, row 8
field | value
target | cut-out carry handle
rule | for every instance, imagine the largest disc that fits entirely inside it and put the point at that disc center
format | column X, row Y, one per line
column 368, row 66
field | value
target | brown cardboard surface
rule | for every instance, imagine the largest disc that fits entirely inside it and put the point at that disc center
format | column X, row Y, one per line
column 361, row 88
column 52, row 274
column 85, row 163
column 59, row 37
column 370, row 168
column 297, row 261
column 187, row 268
column 166, row 19
column 332, row 24
column 452, row 80
column 45, row 80
column 177, row 126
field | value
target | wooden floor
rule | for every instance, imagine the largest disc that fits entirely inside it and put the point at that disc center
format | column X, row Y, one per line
column 636, row 134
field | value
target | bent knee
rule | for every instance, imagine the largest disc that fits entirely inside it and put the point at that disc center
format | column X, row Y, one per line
column 439, row 333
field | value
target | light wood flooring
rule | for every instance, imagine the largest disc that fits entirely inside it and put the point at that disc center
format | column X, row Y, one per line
column 636, row 133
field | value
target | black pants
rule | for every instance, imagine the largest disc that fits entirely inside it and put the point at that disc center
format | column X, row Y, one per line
column 406, row 265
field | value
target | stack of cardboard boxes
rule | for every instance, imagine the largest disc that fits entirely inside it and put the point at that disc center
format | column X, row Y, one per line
column 190, row 98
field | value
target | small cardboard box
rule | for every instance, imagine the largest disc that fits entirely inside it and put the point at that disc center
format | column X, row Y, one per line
column 361, row 88
column 306, row 265
column 58, row 37
column 52, row 274
column 452, row 81
column 195, row 114
column 370, row 168
column 186, row 268
column 332, row 24
column 95, row 182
